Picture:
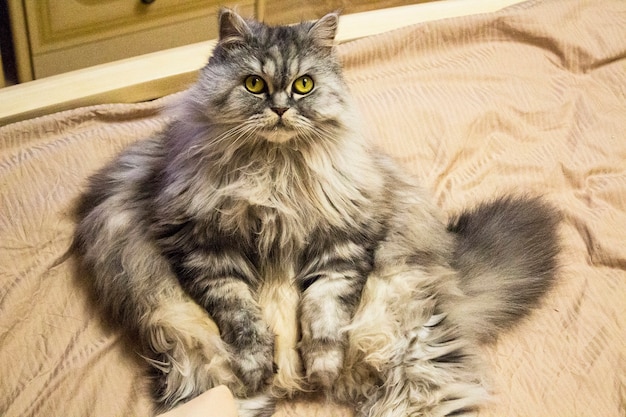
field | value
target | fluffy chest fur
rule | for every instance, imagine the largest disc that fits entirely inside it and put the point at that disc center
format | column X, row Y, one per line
column 270, row 201
column 281, row 203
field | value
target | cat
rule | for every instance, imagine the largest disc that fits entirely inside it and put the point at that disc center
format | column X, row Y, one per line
column 260, row 242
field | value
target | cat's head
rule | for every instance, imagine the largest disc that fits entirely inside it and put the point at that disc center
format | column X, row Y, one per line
column 278, row 83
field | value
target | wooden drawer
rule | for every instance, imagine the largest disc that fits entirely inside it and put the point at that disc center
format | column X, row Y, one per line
column 70, row 34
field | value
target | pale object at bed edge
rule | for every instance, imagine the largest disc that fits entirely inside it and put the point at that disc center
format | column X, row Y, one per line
column 157, row 74
column 216, row 402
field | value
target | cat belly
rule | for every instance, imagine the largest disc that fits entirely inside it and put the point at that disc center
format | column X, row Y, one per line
column 279, row 298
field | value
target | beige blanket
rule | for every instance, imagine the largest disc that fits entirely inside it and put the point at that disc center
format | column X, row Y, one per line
column 529, row 99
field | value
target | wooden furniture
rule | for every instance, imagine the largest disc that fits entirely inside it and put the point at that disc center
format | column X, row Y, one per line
column 57, row 36
column 2, row 82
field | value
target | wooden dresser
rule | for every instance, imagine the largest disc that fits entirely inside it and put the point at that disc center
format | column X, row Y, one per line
column 56, row 36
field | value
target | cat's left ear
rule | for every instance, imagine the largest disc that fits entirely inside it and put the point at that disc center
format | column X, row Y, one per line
column 325, row 29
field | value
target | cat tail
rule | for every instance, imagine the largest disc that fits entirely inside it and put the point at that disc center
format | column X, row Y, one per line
column 262, row 405
column 505, row 255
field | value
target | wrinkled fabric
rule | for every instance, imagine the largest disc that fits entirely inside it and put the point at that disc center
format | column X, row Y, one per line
column 528, row 100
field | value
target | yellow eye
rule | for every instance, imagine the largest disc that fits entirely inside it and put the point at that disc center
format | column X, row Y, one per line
column 303, row 85
column 254, row 84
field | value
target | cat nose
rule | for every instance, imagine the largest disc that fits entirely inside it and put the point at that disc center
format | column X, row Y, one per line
column 279, row 110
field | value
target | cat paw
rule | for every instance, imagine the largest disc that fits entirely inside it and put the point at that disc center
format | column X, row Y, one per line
column 251, row 346
column 255, row 367
column 184, row 372
column 323, row 364
column 186, row 353
column 252, row 359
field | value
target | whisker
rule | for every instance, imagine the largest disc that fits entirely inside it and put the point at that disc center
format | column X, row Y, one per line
column 220, row 148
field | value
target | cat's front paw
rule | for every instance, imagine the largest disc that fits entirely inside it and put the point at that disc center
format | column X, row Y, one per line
column 323, row 362
column 253, row 361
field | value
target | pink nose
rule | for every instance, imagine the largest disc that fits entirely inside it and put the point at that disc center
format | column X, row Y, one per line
column 279, row 110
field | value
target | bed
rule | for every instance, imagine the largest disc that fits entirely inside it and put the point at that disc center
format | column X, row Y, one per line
column 530, row 98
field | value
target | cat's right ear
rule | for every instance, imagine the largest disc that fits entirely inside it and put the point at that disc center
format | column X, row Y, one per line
column 233, row 28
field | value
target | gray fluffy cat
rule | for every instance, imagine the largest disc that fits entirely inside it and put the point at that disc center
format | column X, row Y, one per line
column 260, row 242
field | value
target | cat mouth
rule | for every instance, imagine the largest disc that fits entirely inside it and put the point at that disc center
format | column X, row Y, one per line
column 278, row 134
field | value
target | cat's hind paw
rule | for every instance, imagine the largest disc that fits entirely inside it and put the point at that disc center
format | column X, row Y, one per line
column 184, row 372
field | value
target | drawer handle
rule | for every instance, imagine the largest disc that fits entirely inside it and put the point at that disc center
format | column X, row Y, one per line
column 148, row 1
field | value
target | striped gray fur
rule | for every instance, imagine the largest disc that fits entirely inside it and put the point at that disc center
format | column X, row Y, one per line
column 260, row 242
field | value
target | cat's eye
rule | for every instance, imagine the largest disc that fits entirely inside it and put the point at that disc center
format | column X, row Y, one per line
column 303, row 85
column 255, row 84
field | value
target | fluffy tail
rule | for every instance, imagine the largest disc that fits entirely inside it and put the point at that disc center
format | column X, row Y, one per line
column 506, row 258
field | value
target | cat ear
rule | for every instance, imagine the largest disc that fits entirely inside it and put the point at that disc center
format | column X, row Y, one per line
column 325, row 29
column 233, row 28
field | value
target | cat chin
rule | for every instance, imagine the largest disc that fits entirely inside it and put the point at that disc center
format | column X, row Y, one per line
column 278, row 135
